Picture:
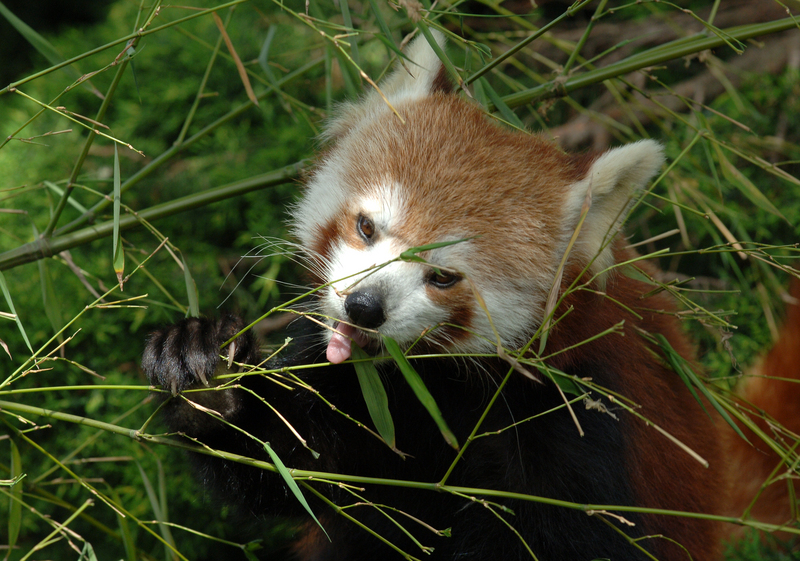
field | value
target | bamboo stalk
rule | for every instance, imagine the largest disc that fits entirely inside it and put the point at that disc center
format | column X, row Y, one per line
column 651, row 57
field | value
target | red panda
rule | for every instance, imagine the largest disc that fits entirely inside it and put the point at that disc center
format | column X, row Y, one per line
column 415, row 165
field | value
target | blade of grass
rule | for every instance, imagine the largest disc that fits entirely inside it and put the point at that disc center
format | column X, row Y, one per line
column 10, row 303
column 348, row 23
column 745, row 186
column 52, row 304
column 385, row 36
column 118, row 254
column 498, row 103
column 126, row 536
column 15, row 498
column 685, row 371
column 191, row 291
column 451, row 69
column 169, row 546
column 59, row 191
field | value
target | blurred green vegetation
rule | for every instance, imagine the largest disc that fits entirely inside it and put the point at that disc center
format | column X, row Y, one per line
column 742, row 166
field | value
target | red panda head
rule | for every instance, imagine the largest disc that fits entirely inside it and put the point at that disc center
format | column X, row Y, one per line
column 444, row 172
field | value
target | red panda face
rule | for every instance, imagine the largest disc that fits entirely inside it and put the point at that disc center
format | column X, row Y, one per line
column 447, row 173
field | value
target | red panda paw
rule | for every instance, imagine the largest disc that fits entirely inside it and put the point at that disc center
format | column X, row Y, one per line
column 188, row 353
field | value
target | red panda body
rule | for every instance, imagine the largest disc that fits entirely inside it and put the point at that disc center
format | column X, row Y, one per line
column 501, row 209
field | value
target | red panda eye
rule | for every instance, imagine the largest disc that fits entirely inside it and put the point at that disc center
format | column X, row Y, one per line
column 365, row 227
column 443, row 279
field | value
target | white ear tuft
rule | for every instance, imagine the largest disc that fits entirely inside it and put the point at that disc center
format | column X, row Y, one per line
column 613, row 178
column 415, row 78
column 621, row 171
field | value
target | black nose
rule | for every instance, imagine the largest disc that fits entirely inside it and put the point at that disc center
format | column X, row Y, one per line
column 365, row 308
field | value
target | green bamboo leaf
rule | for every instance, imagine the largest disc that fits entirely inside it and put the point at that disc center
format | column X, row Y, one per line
column 418, row 386
column 391, row 45
column 38, row 42
column 500, row 105
column 411, row 253
column 59, row 191
column 10, row 303
column 374, row 395
column 119, row 254
column 263, row 62
column 684, row 370
column 292, row 484
column 250, row 547
column 191, row 291
column 350, row 75
column 52, row 304
column 561, row 379
column 15, row 498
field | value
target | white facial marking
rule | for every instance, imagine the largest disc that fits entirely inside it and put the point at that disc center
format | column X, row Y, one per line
column 323, row 198
column 384, row 206
column 407, row 307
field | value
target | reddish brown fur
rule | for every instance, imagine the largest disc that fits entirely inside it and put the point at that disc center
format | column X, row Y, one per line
column 773, row 399
column 664, row 476
column 327, row 235
column 522, row 203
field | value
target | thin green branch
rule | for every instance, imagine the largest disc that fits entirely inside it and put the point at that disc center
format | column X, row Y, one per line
column 362, row 480
column 42, row 248
column 137, row 34
column 87, row 145
column 168, row 154
column 571, row 11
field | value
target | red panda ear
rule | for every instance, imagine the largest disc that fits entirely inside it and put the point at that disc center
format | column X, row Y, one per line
column 420, row 75
column 613, row 179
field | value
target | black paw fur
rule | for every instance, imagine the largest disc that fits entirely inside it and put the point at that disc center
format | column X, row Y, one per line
column 187, row 354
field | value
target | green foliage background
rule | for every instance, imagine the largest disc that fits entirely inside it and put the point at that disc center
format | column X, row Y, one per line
column 737, row 166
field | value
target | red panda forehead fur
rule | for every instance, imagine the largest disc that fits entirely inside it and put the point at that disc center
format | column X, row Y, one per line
column 457, row 175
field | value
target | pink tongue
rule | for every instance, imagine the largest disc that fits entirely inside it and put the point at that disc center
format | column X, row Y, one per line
column 339, row 345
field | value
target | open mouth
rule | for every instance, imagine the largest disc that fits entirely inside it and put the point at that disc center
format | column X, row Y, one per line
column 339, row 347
